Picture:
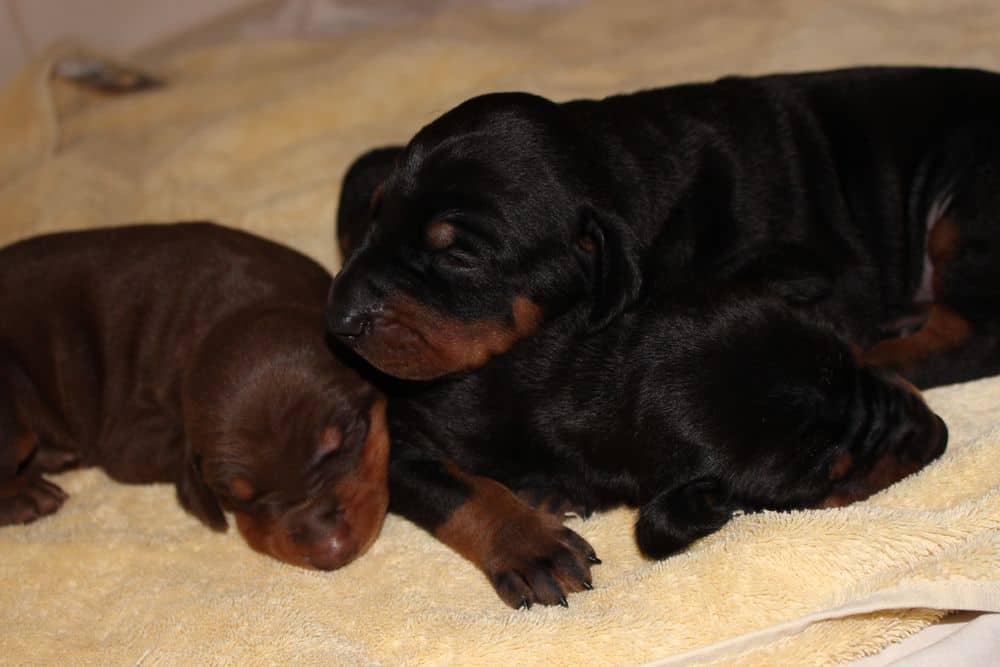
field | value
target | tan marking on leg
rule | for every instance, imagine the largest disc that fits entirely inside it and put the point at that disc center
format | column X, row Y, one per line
column 472, row 528
column 943, row 244
column 945, row 329
column 841, row 466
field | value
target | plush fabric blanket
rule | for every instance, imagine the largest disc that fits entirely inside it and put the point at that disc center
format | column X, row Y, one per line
column 257, row 135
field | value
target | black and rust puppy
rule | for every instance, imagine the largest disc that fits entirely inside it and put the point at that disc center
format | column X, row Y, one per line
column 191, row 354
column 867, row 197
column 652, row 299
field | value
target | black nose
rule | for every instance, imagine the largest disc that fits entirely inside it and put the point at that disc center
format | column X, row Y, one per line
column 346, row 322
column 353, row 301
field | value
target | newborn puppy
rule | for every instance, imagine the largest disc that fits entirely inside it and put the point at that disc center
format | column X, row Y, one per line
column 690, row 406
column 192, row 354
column 866, row 198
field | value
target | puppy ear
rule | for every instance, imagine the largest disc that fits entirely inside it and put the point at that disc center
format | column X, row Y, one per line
column 358, row 193
column 195, row 496
column 616, row 275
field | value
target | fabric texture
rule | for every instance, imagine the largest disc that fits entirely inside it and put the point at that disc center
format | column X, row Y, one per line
column 257, row 135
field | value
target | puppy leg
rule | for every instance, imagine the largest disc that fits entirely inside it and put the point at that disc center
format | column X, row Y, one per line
column 960, row 339
column 678, row 516
column 528, row 555
column 24, row 495
column 947, row 348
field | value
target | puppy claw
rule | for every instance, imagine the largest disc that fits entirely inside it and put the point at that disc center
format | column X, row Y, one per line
column 537, row 560
column 25, row 499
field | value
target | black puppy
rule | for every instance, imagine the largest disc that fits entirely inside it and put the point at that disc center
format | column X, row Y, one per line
column 653, row 306
column 864, row 196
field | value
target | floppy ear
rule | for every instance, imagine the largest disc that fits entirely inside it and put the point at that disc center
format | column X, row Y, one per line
column 195, row 496
column 616, row 276
column 363, row 178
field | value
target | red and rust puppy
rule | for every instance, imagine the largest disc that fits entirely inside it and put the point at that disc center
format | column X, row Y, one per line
column 653, row 299
column 191, row 354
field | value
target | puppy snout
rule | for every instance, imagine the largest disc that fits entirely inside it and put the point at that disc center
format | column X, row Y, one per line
column 350, row 306
column 333, row 545
column 930, row 442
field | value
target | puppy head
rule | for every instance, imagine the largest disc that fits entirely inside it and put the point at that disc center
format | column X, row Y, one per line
column 289, row 440
column 491, row 223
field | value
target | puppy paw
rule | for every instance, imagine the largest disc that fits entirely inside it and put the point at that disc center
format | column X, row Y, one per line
column 537, row 560
column 24, row 499
column 676, row 517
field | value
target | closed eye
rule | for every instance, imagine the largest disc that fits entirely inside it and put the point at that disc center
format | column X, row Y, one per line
column 457, row 256
column 324, row 459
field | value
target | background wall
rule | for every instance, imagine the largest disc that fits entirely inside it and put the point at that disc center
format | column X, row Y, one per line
column 27, row 26
column 120, row 26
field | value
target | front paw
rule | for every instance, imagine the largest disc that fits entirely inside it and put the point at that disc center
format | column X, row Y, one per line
column 538, row 560
column 24, row 499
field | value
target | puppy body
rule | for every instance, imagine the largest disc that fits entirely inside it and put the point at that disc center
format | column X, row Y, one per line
column 177, row 353
column 693, row 413
column 674, row 299
column 825, row 188
column 863, row 197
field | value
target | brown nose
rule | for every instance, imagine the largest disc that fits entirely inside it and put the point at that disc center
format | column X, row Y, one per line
column 335, row 549
column 323, row 545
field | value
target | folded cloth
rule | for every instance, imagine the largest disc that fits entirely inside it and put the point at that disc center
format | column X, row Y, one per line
column 257, row 135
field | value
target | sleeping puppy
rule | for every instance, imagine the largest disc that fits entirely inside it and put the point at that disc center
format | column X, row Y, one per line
column 192, row 354
column 692, row 413
column 514, row 237
column 866, row 198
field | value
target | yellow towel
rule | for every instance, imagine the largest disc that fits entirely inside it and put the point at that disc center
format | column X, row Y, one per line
column 257, row 136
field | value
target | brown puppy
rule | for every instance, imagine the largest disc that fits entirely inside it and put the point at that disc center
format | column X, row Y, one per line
column 191, row 354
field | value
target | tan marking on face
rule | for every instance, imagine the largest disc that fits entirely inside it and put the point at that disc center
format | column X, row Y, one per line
column 527, row 316
column 362, row 496
column 440, row 234
column 267, row 538
column 587, row 243
column 415, row 342
column 885, row 472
